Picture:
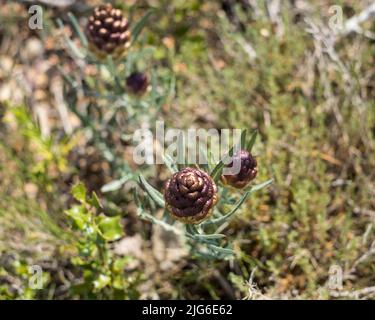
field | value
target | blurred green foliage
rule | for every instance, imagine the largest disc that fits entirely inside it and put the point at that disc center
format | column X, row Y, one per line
column 103, row 272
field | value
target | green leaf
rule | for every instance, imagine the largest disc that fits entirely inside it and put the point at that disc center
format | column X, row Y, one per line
column 71, row 45
column 154, row 87
column 215, row 236
column 216, row 172
column 144, row 215
column 120, row 263
column 205, row 255
column 243, row 138
column 170, row 163
column 102, row 281
column 191, row 229
column 77, row 29
column 259, row 186
column 250, row 145
column 114, row 184
column 79, row 216
column 110, row 228
column 225, row 251
column 136, row 30
column 193, row 233
column 79, row 192
column 94, row 201
column 111, row 67
column 154, row 194
column 231, row 213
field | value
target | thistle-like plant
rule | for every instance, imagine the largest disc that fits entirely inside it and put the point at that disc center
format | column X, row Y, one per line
column 113, row 90
column 197, row 197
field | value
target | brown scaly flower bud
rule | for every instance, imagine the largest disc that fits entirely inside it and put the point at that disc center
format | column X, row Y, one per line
column 107, row 31
column 137, row 83
column 190, row 195
column 246, row 173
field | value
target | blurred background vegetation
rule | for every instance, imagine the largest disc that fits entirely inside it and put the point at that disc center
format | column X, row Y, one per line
column 272, row 65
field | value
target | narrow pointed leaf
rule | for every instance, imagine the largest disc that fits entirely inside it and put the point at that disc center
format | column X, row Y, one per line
column 145, row 215
column 215, row 236
column 170, row 163
column 194, row 233
column 243, row 139
column 231, row 213
column 141, row 24
column 95, row 201
column 251, row 142
column 216, row 172
column 154, row 87
column 259, row 186
column 205, row 255
column 154, row 194
column 218, row 249
column 71, row 45
column 78, row 29
column 114, row 185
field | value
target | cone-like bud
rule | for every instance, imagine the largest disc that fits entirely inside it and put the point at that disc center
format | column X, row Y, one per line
column 107, row 31
column 137, row 83
column 247, row 171
column 190, row 195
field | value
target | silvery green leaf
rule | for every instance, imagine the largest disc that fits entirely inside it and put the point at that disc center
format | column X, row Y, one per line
column 217, row 249
column 145, row 215
column 114, row 185
column 216, row 172
column 78, row 30
column 215, row 236
column 229, row 214
column 136, row 30
column 154, row 194
column 71, row 45
column 170, row 163
column 259, row 186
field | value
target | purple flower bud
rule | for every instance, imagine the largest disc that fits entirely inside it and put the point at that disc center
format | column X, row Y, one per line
column 247, row 171
column 190, row 195
column 137, row 83
column 107, row 31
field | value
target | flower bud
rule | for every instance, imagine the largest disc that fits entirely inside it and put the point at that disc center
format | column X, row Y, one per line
column 248, row 170
column 190, row 195
column 137, row 83
column 107, row 31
